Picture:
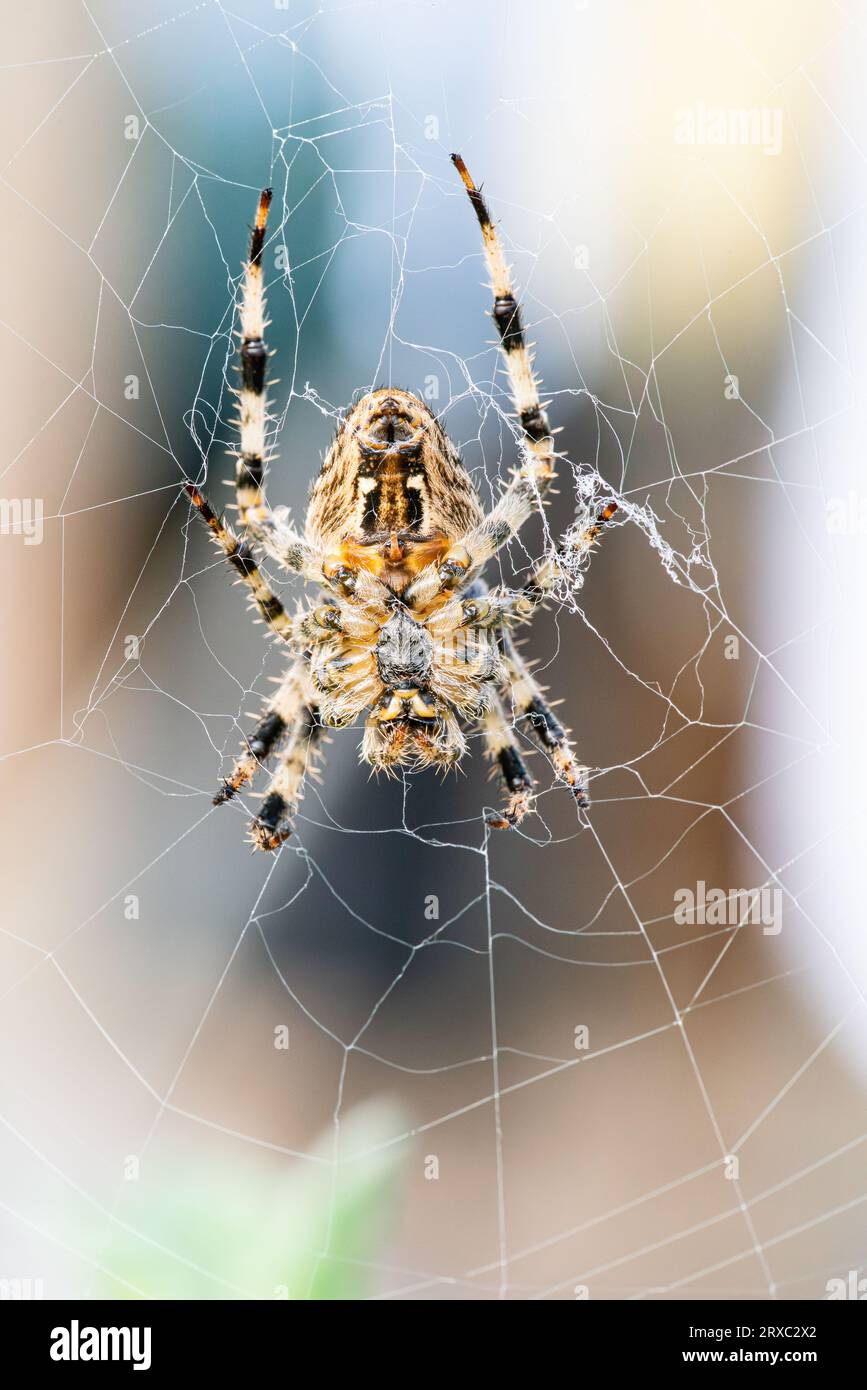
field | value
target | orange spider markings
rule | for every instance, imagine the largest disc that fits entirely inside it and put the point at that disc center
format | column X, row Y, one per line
column 398, row 561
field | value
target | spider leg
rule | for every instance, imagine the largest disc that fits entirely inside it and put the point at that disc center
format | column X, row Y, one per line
column 502, row 746
column 270, row 529
column 240, row 556
column 474, row 604
column 270, row 732
column 524, row 492
column 252, row 399
column 273, row 824
column 572, row 556
column 567, row 564
column 500, row 742
column 256, row 518
column 530, row 703
column 538, row 440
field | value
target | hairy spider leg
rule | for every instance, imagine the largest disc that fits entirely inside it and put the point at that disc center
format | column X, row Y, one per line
column 501, row 745
column 538, row 437
column 525, row 491
column 529, row 703
column 253, row 363
column 270, row 732
column 295, row 761
column 239, row 554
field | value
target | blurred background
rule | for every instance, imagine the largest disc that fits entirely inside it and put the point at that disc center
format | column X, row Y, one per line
column 409, row 1058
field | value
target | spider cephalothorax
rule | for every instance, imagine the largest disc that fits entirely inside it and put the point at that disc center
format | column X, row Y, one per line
column 406, row 632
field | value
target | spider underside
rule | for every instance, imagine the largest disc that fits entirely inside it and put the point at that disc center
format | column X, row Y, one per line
column 395, row 535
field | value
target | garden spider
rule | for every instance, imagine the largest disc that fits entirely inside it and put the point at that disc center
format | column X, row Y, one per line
column 407, row 629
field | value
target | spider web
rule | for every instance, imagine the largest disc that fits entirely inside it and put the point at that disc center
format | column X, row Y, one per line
column 409, row 1057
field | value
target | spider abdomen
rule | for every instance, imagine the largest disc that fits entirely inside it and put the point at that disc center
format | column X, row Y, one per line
column 393, row 497
column 391, row 471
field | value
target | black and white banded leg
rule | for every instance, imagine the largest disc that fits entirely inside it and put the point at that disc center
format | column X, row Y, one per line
column 502, row 746
column 538, row 437
column 253, row 510
column 257, row 521
column 295, row 761
column 269, row 529
column 552, row 737
column 525, row 491
column 239, row 553
column 271, row 730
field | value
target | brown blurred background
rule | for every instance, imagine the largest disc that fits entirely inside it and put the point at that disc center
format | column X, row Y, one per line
column 682, row 193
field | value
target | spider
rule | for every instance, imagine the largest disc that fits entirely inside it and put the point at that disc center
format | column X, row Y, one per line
column 396, row 536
